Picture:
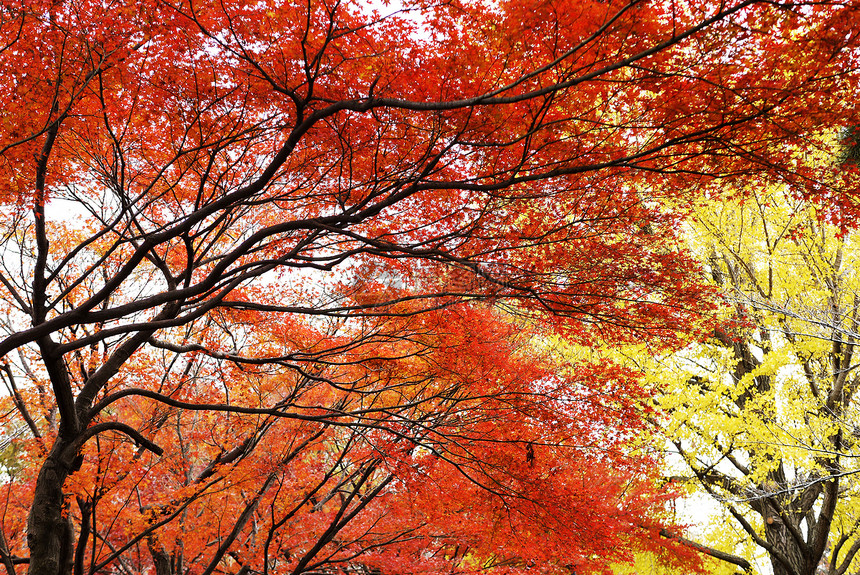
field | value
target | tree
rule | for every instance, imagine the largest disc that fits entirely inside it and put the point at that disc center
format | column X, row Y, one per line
column 227, row 224
column 389, row 459
column 764, row 414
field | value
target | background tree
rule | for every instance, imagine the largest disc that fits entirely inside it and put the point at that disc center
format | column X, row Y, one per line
column 200, row 198
column 764, row 414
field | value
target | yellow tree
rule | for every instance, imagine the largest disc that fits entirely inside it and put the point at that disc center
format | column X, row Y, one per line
column 763, row 413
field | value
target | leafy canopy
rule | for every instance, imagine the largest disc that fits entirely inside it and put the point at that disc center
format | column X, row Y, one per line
column 270, row 269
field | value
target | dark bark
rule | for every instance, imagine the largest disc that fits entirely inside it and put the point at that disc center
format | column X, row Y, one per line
column 50, row 536
column 5, row 556
column 785, row 548
column 86, row 507
column 162, row 561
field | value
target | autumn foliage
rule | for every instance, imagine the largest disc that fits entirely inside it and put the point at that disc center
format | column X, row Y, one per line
column 277, row 277
column 393, row 458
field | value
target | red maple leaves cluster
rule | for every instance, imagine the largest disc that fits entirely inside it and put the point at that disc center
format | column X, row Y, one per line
column 278, row 277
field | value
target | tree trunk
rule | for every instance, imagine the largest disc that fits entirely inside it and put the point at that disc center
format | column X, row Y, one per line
column 778, row 535
column 163, row 562
column 50, row 536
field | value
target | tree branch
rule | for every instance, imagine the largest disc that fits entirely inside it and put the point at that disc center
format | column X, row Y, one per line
column 711, row 551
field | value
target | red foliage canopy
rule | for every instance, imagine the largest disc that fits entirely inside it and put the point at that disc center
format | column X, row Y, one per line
column 270, row 269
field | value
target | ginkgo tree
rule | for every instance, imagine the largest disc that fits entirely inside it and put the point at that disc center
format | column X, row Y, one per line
column 764, row 413
column 269, row 268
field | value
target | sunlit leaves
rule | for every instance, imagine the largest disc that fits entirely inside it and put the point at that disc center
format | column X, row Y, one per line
column 273, row 272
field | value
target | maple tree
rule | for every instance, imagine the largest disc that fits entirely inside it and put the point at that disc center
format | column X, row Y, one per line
column 269, row 269
column 394, row 446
